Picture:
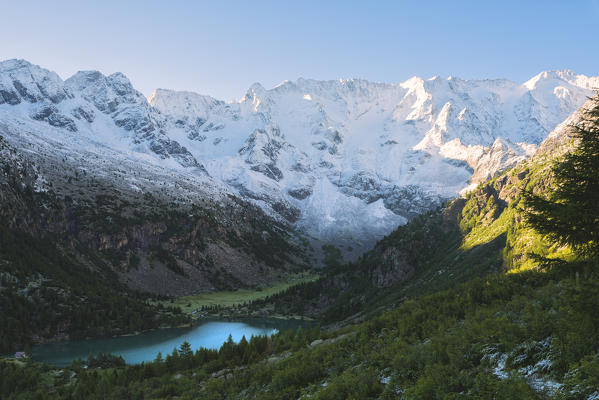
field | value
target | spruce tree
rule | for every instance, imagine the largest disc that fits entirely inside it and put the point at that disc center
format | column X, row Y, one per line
column 185, row 350
column 185, row 355
column 569, row 212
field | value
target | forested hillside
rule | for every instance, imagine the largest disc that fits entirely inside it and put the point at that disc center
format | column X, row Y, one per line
column 80, row 258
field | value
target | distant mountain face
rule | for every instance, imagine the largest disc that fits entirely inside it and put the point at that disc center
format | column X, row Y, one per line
column 474, row 235
column 346, row 161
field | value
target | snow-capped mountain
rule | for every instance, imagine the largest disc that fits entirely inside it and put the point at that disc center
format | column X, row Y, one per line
column 342, row 160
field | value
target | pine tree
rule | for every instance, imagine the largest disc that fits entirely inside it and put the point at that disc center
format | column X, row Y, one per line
column 299, row 341
column 185, row 350
column 569, row 213
column 241, row 349
column 185, row 355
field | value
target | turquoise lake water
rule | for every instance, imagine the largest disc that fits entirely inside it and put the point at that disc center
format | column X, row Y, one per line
column 145, row 346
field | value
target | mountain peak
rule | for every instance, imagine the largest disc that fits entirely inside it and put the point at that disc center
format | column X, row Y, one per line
column 82, row 79
column 181, row 104
column 254, row 93
column 121, row 84
column 15, row 63
column 21, row 80
column 104, row 91
column 567, row 76
column 412, row 83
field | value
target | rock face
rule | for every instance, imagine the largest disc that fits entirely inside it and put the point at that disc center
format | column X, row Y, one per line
column 198, row 238
column 346, row 160
column 51, row 115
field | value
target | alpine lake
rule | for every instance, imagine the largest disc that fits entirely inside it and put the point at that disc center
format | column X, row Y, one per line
column 134, row 349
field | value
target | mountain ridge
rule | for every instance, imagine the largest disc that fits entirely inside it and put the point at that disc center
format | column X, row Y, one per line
column 344, row 160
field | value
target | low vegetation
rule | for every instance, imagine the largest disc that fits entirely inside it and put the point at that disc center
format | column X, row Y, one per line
column 229, row 301
column 503, row 334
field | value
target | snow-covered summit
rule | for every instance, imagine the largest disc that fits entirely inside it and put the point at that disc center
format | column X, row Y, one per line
column 105, row 108
column 23, row 81
column 545, row 77
column 183, row 105
column 345, row 160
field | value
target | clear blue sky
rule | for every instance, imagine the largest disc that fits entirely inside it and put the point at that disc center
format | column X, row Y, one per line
column 220, row 48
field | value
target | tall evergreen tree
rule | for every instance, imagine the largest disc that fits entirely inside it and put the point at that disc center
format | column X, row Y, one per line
column 185, row 350
column 569, row 212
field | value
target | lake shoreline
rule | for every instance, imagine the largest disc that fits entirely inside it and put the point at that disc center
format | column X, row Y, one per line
column 227, row 300
column 208, row 333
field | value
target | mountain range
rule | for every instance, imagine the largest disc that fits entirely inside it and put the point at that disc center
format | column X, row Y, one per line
column 344, row 161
